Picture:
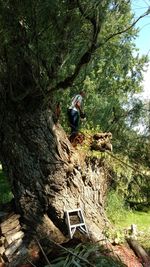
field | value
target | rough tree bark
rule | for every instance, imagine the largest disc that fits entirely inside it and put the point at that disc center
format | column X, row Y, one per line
column 47, row 175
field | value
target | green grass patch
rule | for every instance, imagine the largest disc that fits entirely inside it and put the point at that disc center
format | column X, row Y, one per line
column 5, row 191
column 122, row 218
column 142, row 221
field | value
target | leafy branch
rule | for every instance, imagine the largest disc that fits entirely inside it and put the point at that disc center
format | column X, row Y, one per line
column 86, row 57
column 126, row 29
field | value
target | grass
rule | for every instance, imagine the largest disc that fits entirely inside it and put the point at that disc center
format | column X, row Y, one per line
column 142, row 221
column 5, row 191
column 122, row 218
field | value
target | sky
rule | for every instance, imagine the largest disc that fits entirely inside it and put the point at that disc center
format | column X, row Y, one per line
column 143, row 40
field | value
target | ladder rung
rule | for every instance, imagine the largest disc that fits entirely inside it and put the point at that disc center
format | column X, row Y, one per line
column 72, row 211
column 77, row 225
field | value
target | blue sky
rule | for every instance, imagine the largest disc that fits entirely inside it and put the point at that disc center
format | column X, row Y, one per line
column 143, row 40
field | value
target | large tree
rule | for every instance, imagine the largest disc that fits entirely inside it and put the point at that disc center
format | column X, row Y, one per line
column 45, row 46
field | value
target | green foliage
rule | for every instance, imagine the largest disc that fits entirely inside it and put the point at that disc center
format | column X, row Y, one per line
column 139, row 191
column 86, row 255
column 130, row 180
column 140, row 219
column 115, row 207
column 122, row 219
column 111, row 82
column 5, row 192
column 141, row 151
column 50, row 37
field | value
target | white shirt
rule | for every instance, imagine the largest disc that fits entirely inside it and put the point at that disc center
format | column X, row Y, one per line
column 75, row 99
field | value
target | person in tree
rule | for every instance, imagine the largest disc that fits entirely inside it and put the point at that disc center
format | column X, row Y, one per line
column 75, row 112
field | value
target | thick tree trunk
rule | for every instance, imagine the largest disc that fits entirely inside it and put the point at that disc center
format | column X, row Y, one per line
column 48, row 176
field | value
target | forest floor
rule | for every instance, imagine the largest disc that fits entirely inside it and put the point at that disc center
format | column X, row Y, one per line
column 126, row 255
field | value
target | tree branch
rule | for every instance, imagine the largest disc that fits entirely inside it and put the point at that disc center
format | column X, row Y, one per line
column 126, row 29
column 86, row 57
